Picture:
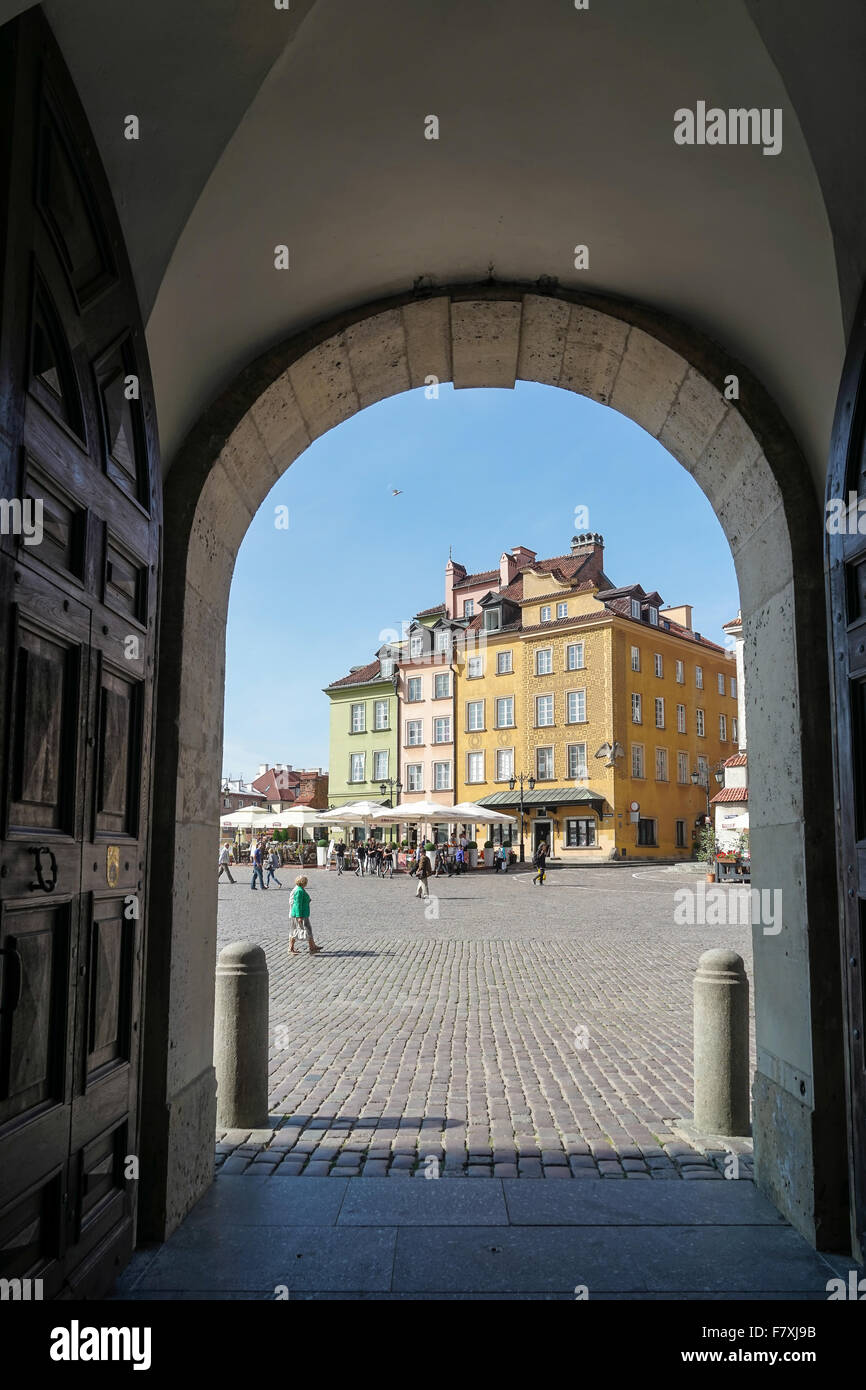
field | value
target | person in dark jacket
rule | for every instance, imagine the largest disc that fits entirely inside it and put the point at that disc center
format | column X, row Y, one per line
column 425, row 869
column 539, row 859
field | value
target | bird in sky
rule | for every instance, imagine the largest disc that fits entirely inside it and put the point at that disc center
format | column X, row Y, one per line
column 396, row 491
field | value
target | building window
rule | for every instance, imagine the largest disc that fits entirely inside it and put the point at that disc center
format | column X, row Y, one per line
column 414, row 777
column 562, row 610
column 386, row 666
column 475, row 667
column 636, row 716
column 414, row 732
column 475, row 767
column 576, row 756
column 380, row 715
column 503, row 663
column 681, row 834
column 413, row 689
column 720, row 683
column 635, row 608
column 544, row 661
column 475, row 714
column 574, row 656
column 734, row 731
column 653, row 614
column 505, row 712
column 544, row 613
column 681, row 673
column 733, row 687
column 441, row 685
column 699, row 716
column 703, row 772
column 469, row 608
column 356, row 767
column 723, row 729
column 660, row 712
column 544, row 764
column 681, row 719
column 658, row 664
column 576, row 707
column 380, row 766
column 543, row 711
column 699, row 677
column 661, row 764
column 637, row 760
column 443, row 639
column 442, row 730
column 416, row 645
column 635, row 658
column 492, row 619
column 579, row 834
column 646, row 832
column 504, row 764
column 359, row 718
column 442, row 777
column 682, row 768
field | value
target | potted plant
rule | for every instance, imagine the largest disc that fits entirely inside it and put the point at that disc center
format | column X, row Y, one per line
column 707, row 851
column 322, row 854
column 472, row 851
column 489, row 856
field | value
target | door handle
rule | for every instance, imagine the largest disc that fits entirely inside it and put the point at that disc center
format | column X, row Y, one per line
column 14, row 954
column 47, row 885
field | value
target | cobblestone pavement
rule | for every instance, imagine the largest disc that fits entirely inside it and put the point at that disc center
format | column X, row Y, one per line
column 500, row 1029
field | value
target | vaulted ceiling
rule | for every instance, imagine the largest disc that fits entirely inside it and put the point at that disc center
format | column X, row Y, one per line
column 262, row 126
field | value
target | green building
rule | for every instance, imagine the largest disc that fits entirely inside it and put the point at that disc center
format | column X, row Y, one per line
column 364, row 725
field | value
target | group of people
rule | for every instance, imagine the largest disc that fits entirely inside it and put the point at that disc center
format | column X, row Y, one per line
column 260, row 859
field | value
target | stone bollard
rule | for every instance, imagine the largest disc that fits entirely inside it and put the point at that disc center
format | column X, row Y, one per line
column 241, row 1037
column 721, row 1044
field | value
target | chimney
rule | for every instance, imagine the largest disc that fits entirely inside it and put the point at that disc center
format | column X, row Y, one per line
column 522, row 556
column 263, row 767
column 507, row 569
column 681, row 614
column 453, row 574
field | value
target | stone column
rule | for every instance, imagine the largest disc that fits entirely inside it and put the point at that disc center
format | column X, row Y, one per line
column 241, row 1037
column 721, row 1044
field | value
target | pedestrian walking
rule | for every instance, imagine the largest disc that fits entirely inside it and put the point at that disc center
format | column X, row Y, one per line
column 299, row 914
column 340, row 852
column 424, row 870
column 503, row 858
column 256, row 861
column 273, row 865
column 388, row 861
column 539, row 859
column 460, row 858
column 360, row 857
column 225, row 860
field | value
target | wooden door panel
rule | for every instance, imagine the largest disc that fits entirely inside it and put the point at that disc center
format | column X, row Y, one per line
column 78, row 612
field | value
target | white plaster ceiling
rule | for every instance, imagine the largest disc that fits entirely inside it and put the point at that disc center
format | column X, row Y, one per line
column 556, row 128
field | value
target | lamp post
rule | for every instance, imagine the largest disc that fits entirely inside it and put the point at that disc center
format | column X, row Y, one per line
column 390, row 786
column 530, row 782
column 704, row 781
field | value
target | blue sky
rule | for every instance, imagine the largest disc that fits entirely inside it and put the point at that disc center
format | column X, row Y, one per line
column 480, row 471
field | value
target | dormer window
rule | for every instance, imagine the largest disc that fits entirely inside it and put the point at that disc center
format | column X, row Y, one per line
column 545, row 613
column 635, row 608
column 416, row 645
column 653, row 617
column 443, row 639
column 492, row 619
column 386, row 666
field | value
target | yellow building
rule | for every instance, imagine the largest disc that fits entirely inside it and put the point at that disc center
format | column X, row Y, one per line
column 607, row 701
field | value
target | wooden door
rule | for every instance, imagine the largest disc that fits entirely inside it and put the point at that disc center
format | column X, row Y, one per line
column 78, row 591
column 846, row 567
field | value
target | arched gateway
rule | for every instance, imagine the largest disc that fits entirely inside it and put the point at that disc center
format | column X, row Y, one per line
column 719, row 423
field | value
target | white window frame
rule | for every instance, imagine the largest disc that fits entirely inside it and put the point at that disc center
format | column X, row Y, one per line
column 504, row 699
column 572, row 838
column 412, row 742
column 362, row 725
column 635, row 608
column 475, row 668
column 699, row 677
column 469, row 608
column 416, row 646
column 660, row 711
column 723, row 728
column 438, row 679
column 635, row 658
column 562, row 610
column 379, row 705
column 720, row 682
column 504, row 663
column 442, row 719
column 700, row 723
column 636, row 707
column 474, row 710
column 440, row 785
column 544, row 667
column 544, row 613
column 412, row 683
column 546, row 748
column 733, row 687
column 734, row 729
column 682, row 768
column 504, row 753
column 575, row 762
column 653, row 614
column 360, row 758
column 662, row 772
column 638, row 764
column 443, row 639
column 681, row 719
column 580, row 706
column 547, row 723
column 492, row 619
column 377, row 775
column 414, row 777
column 471, row 760
column 575, row 656
column 658, row 665
column 681, row 673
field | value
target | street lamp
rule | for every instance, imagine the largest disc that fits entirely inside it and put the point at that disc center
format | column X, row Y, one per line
column 530, row 782
column 700, row 779
column 390, row 786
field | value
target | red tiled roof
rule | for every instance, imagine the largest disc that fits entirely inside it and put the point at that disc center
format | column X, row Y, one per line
column 599, row 616
column 738, row 760
column 362, row 676
column 483, row 577
column 731, row 794
column 428, row 612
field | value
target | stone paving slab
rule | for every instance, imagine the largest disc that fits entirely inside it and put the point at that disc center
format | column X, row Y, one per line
column 496, row 1025
column 423, row 1203
column 653, row 1204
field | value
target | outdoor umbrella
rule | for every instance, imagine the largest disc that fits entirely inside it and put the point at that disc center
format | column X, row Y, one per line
column 480, row 815
column 416, row 813
column 356, row 813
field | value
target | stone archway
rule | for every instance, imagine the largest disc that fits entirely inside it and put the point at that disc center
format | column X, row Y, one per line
column 670, row 381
